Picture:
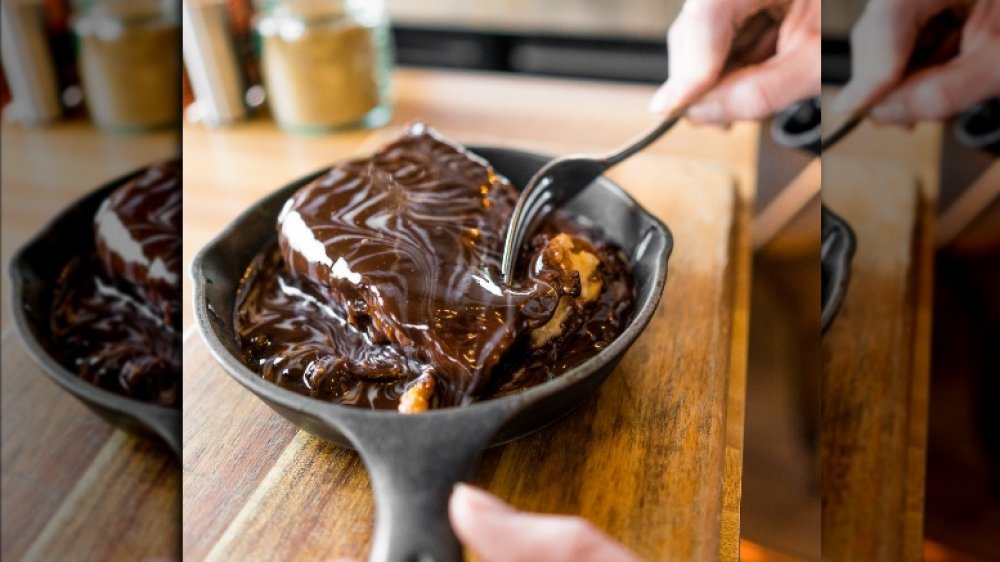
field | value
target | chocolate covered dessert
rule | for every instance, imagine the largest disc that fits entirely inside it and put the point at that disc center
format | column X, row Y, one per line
column 383, row 287
column 115, row 317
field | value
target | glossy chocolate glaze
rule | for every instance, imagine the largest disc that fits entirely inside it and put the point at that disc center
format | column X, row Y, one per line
column 387, row 268
column 115, row 317
column 138, row 236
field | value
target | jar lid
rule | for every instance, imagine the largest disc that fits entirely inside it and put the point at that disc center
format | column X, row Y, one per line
column 126, row 9
column 304, row 9
column 107, row 19
column 289, row 19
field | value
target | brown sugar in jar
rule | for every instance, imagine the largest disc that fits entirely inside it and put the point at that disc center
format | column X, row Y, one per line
column 325, row 66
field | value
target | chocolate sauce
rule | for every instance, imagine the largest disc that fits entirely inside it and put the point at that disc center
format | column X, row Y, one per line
column 115, row 316
column 138, row 236
column 386, row 270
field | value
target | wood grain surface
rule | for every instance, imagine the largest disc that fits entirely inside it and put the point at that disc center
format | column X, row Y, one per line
column 875, row 361
column 653, row 458
column 74, row 488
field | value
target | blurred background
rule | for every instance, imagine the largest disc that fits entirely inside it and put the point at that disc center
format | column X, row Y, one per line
column 114, row 63
column 90, row 91
column 956, row 163
column 567, row 38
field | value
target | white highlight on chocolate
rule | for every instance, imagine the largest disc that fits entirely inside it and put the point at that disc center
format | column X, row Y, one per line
column 488, row 285
column 343, row 271
column 120, row 241
column 300, row 237
column 158, row 270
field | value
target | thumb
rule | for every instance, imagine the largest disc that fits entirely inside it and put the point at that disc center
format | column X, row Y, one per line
column 496, row 532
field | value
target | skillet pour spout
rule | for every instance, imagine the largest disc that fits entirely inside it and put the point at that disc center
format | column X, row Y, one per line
column 415, row 460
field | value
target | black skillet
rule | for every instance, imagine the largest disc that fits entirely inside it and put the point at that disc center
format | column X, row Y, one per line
column 414, row 460
column 837, row 249
column 33, row 271
column 799, row 127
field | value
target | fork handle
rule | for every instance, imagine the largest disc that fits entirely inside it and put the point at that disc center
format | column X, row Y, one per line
column 643, row 140
column 747, row 49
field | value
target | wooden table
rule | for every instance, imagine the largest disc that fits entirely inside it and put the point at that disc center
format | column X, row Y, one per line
column 74, row 488
column 876, row 355
column 653, row 458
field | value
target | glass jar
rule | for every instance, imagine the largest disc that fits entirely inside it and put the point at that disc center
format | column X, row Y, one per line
column 129, row 57
column 326, row 64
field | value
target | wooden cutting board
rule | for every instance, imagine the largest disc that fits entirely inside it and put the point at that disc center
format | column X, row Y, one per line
column 671, row 452
column 74, row 488
column 653, row 457
column 875, row 360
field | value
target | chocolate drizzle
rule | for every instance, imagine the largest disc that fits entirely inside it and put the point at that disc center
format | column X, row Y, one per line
column 386, row 269
column 138, row 236
column 115, row 316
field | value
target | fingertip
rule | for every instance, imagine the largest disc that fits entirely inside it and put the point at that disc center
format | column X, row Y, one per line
column 484, row 523
column 675, row 94
column 475, row 497
column 469, row 503
column 460, row 511
column 663, row 98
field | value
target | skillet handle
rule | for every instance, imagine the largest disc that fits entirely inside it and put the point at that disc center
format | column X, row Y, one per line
column 799, row 126
column 414, row 462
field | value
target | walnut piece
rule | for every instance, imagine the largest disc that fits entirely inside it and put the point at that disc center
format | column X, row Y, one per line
column 417, row 397
column 562, row 250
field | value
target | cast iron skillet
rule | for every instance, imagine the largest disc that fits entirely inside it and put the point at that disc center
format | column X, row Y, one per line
column 33, row 271
column 799, row 127
column 414, row 460
column 836, row 253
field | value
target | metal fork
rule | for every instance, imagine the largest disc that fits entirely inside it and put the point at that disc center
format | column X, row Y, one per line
column 559, row 181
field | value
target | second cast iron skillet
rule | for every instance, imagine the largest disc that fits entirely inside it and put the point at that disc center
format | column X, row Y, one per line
column 835, row 259
column 33, row 274
column 414, row 460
